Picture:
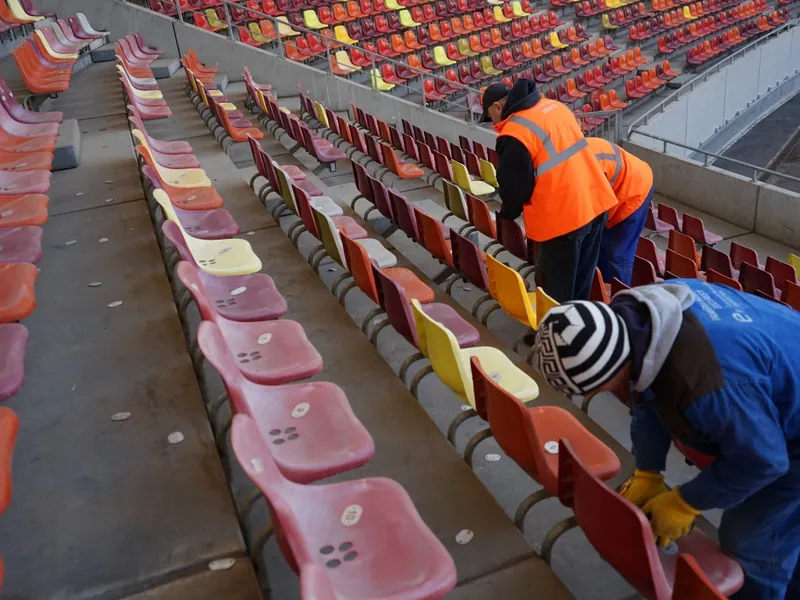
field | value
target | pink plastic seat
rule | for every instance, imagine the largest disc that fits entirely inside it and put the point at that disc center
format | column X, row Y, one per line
column 694, row 228
column 395, row 302
column 13, row 183
column 355, row 539
column 20, row 245
column 309, row 428
column 13, row 342
column 251, row 297
column 621, row 533
column 669, row 215
column 653, row 223
column 9, row 125
column 215, row 224
column 266, row 352
column 19, row 113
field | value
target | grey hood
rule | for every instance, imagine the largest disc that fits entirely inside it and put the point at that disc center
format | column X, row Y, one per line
column 666, row 303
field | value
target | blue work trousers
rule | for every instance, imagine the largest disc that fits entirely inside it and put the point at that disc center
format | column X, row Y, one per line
column 763, row 535
column 618, row 245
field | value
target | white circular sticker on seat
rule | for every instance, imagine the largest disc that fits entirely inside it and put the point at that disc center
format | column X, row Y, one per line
column 301, row 410
column 258, row 467
column 551, row 447
column 264, row 338
column 352, row 515
column 464, row 536
column 239, row 290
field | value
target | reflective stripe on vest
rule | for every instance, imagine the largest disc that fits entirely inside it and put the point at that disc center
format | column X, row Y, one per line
column 616, row 157
column 554, row 158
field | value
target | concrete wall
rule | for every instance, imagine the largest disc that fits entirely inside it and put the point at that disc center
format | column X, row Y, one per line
column 758, row 207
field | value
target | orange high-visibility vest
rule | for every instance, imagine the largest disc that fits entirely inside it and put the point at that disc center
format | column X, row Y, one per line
column 630, row 177
column 571, row 189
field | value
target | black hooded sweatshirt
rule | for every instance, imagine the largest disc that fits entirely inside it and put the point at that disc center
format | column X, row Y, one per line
column 515, row 168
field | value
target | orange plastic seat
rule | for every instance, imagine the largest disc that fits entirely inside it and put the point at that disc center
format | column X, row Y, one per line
column 682, row 244
column 25, row 209
column 432, row 237
column 682, row 267
column 402, row 170
column 25, row 161
column 17, row 294
column 358, row 262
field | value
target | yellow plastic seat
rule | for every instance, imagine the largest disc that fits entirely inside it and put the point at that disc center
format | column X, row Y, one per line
column 406, row 20
column 50, row 50
column 488, row 172
column 19, row 12
column 378, row 83
column 614, row 3
column 321, row 115
column 143, row 94
column 393, row 5
column 311, row 20
column 454, row 200
column 517, row 10
column 499, row 16
column 217, row 257
column 284, row 28
column 794, row 260
column 451, row 363
column 463, row 180
column 508, row 288
column 557, row 43
column 182, row 178
column 687, row 14
column 214, row 21
column 257, row 35
column 440, row 58
column 463, row 48
column 341, row 35
column 607, row 24
column 343, row 60
column 487, row 66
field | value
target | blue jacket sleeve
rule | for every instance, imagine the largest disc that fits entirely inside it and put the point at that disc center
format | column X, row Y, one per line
column 743, row 421
column 650, row 440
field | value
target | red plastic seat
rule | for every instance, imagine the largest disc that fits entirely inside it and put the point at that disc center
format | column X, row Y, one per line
column 621, row 534
column 693, row 227
column 646, row 249
column 720, row 262
column 681, row 266
column 754, row 279
column 683, row 245
column 336, row 535
column 742, row 254
column 432, row 237
column 643, row 272
column 781, row 272
column 713, row 276
column 311, row 428
column 525, row 433
column 17, row 294
column 401, row 169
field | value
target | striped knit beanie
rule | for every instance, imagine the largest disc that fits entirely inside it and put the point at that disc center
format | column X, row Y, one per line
column 580, row 346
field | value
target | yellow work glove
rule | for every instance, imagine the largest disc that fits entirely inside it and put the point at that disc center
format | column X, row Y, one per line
column 670, row 517
column 642, row 486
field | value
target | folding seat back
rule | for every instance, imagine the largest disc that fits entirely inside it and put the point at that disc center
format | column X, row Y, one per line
column 9, row 428
column 469, row 260
column 380, row 197
column 691, row 583
column 643, row 272
column 480, row 216
column 781, row 272
column 754, row 279
column 716, row 260
column 713, row 276
column 431, row 236
column 742, row 254
column 791, row 295
column 507, row 287
column 360, row 267
column 454, row 200
column 395, row 301
column 684, row 245
column 404, row 215
column 681, row 266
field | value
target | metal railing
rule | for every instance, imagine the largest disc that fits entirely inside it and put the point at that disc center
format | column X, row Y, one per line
column 702, row 77
column 758, row 173
column 328, row 42
column 610, row 127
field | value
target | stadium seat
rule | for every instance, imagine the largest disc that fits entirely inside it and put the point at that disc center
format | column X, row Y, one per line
column 646, row 249
column 451, row 363
column 310, row 518
column 334, row 248
column 742, row 254
column 251, row 297
column 13, row 343
column 718, row 261
column 326, row 437
column 622, row 535
column 781, row 272
column 510, row 291
column 17, row 295
column 713, row 276
column 217, row 257
column 693, row 227
column 754, row 279
column 691, row 583
column 791, row 295
column 462, row 179
column 681, row 266
column 683, row 245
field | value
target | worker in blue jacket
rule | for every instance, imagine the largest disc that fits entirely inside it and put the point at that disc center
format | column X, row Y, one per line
column 718, row 371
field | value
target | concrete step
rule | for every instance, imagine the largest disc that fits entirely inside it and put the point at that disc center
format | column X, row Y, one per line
column 68, row 146
column 104, row 53
column 164, row 68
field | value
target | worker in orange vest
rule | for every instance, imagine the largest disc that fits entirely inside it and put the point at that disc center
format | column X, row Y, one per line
column 632, row 181
column 547, row 173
